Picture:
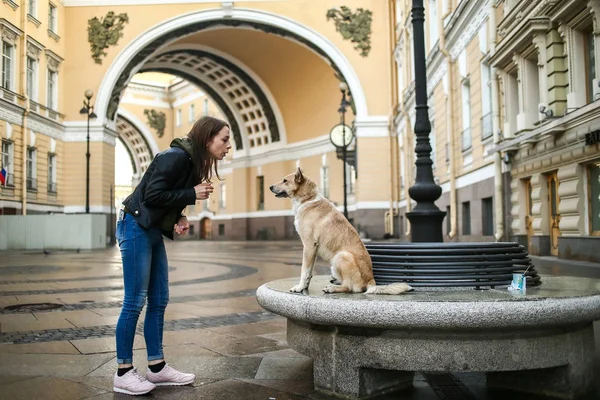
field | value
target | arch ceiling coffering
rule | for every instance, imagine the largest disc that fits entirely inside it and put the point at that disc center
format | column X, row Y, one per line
column 138, row 148
column 241, row 99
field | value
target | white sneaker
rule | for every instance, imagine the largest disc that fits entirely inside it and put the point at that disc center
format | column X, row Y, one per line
column 132, row 383
column 169, row 376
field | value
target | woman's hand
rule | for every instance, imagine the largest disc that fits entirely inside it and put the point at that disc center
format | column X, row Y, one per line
column 182, row 226
column 203, row 190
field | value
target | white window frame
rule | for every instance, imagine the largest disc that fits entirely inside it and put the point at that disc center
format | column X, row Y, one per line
column 7, row 160
column 466, row 115
column 52, row 17
column 205, row 107
column 192, row 113
column 52, row 175
column 32, row 166
column 32, row 86
column 433, row 144
column 32, row 8
column 486, row 95
column 52, row 94
column 351, row 179
column 222, row 196
column 8, row 80
column 432, row 24
column 325, row 180
column 178, row 117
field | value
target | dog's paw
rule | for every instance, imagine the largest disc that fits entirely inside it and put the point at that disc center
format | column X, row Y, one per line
column 328, row 289
column 298, row 289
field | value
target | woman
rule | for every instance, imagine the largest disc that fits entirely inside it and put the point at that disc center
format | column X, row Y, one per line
column 176, row 178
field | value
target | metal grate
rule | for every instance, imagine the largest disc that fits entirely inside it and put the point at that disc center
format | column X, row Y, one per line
column 448, row 386
column 451, row 264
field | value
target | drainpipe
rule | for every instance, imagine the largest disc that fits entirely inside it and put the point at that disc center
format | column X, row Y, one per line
column 449, row 125
column 392, row 212
column 407, row 161
column 23, row 94
column 498, row 184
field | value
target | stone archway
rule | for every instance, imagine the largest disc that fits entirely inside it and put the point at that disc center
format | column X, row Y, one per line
column 137, row 52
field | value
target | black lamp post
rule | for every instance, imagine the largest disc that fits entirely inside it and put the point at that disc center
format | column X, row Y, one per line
column 88, row 109
column 341, row 136
column 426, row 218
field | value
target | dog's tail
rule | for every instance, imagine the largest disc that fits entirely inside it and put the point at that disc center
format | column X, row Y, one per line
column 394, row 288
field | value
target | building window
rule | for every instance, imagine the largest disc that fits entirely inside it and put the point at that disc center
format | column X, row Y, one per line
column 511, row 102
column 466, row 218
column 260, row 192
column 7, row 65
column 448, row 220
column 52, row 90
column 594, row 190
column 325, row 181
column 222, row 196
column 205, row 107
column 52, row 12
column 221, row 229
column 433, row 23
column 31, row 168
column 433, row 143
column 32, row 8
column 32, row 78
column 192, row 113
column 466, row 115
column 486, row 101
column 51, row 173
column 350, row 179
column 178, row 117
column 487, row 216
column 590, row 65
column 7, row 165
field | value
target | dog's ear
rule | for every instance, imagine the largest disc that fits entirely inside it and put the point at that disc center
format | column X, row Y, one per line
column 299, row 178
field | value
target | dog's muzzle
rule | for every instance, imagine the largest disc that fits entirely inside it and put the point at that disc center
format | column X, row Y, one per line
column 278, row 194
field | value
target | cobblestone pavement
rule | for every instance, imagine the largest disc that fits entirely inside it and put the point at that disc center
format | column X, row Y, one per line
column 214, row 326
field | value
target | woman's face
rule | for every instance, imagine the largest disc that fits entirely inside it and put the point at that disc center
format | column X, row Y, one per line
column 219, row 145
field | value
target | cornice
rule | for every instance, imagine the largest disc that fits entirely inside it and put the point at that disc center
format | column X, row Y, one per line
column 519, row 40
column 467, row 20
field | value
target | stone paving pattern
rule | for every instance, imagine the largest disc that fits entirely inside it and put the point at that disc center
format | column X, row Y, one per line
column 214, row 327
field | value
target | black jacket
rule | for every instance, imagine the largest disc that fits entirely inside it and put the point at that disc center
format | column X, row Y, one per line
column 167, row 187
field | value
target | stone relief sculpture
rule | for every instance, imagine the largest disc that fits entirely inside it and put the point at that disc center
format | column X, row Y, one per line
column 355, row 27
column 157, row 121
column 105, row 32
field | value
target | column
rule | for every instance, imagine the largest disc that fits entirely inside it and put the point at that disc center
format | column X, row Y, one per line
column 572, row 199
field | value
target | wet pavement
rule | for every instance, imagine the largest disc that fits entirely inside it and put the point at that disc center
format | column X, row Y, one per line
column 214, row 326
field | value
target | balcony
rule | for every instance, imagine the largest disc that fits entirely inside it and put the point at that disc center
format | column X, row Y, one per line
column 466, row 139
column 486, row 127
column 31, row 184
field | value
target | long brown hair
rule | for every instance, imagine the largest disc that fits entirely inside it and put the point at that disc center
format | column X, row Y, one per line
column 201, row 133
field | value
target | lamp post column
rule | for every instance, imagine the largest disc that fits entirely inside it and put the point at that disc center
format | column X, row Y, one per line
column 426, row 218
column 88, row 111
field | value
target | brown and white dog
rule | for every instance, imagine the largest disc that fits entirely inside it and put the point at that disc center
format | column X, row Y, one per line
column 325, row 232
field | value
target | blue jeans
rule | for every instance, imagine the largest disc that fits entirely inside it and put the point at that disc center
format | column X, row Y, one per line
column 145, row 275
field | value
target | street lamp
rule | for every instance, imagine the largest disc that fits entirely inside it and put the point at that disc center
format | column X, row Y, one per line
column 341, row 136
column 88, row 109
column 426, row 218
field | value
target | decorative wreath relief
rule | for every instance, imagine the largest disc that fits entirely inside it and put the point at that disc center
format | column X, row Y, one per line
column 156, row 120
column 355, row 27
column 105, row 32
